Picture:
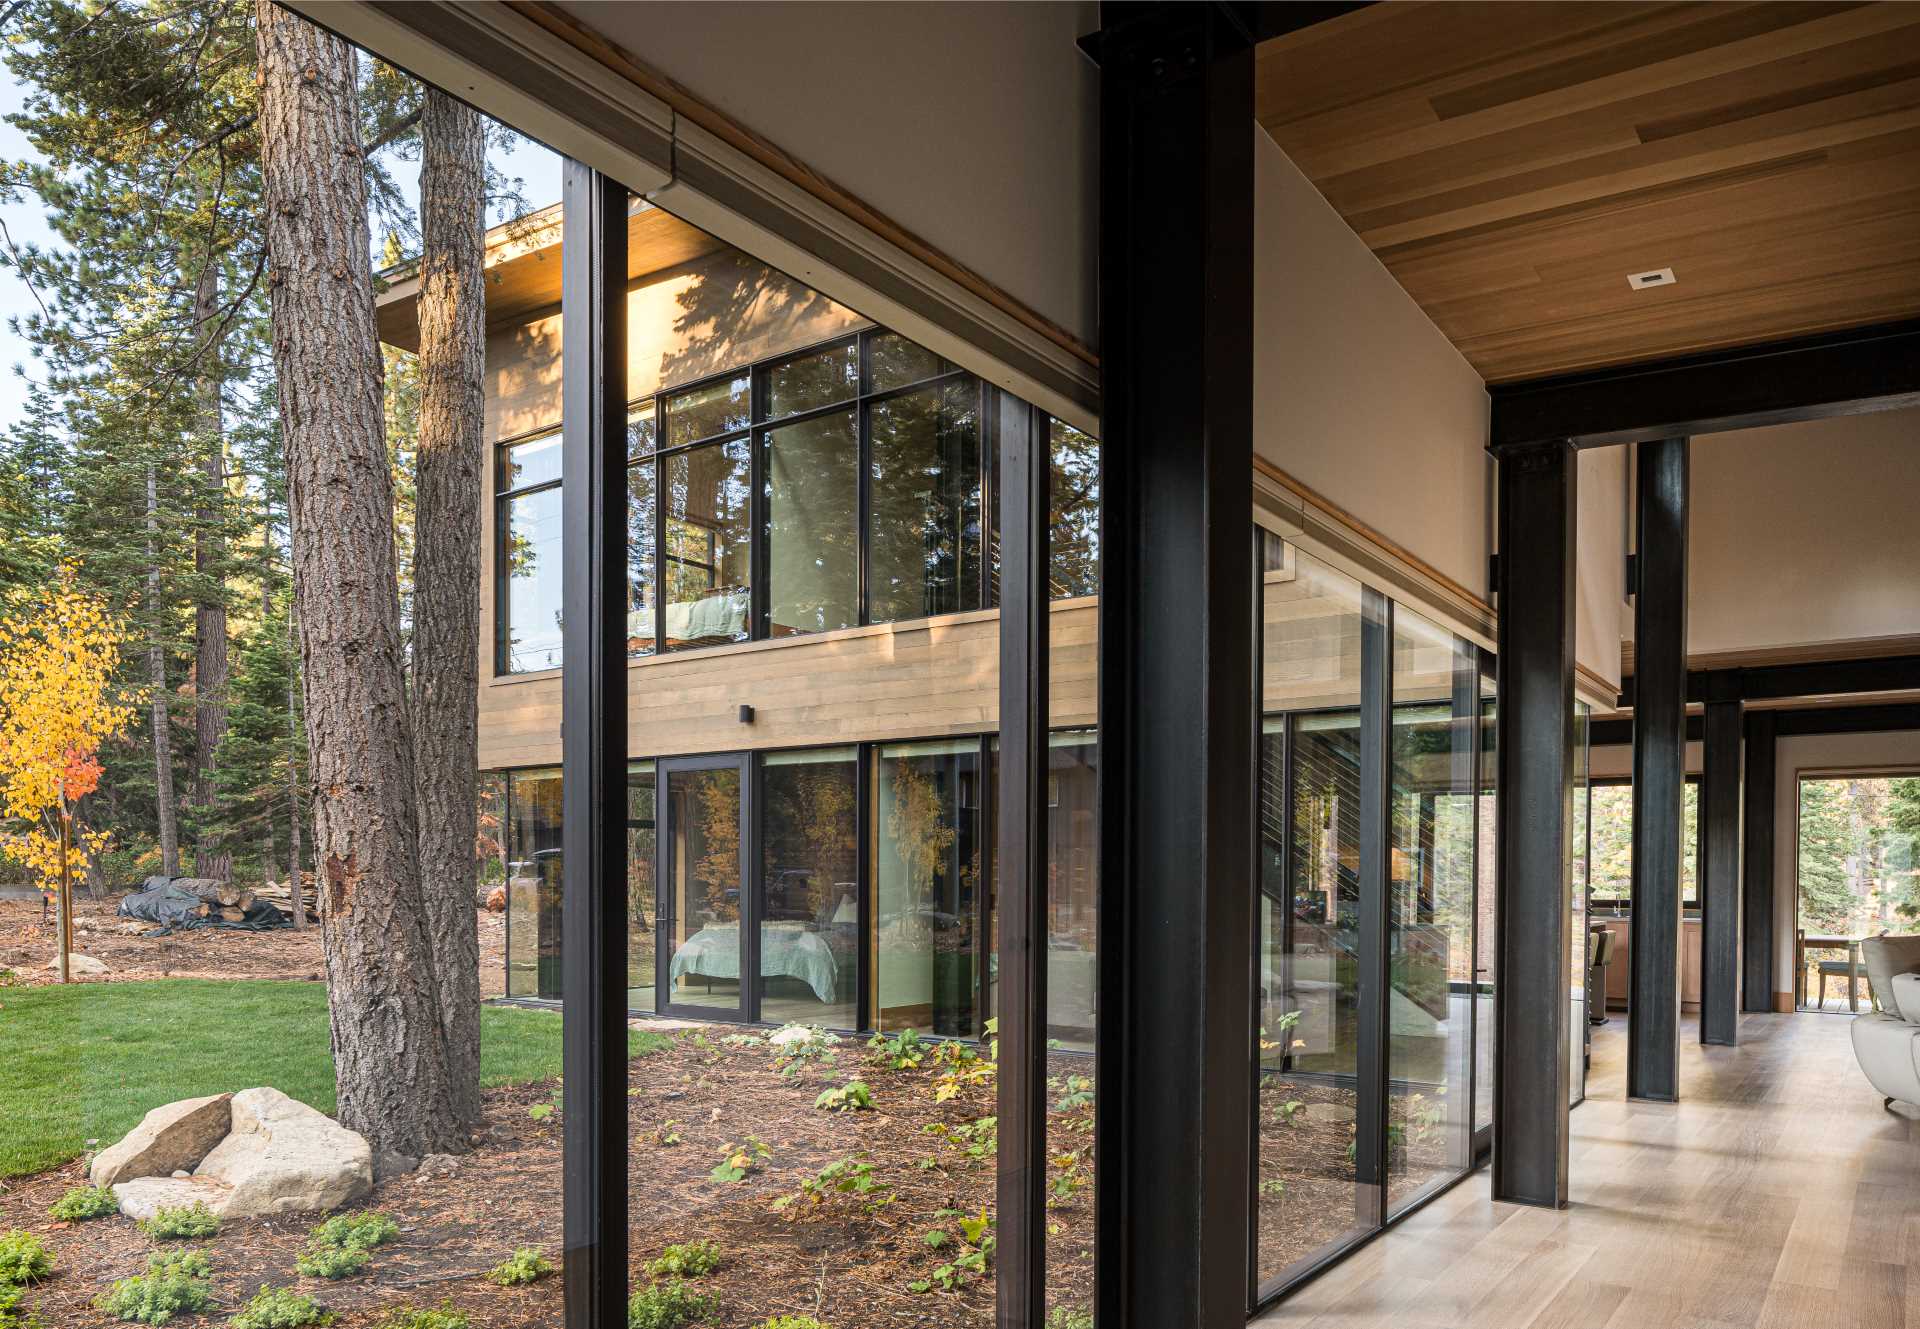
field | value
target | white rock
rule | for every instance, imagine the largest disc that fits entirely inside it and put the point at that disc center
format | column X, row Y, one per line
column 143, row 1197
column 171, row 1139
column 284, row 1157
column 79, row 964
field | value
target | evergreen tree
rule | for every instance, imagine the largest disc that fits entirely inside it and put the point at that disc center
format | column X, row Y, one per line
column 1827, row 900
column 263, row 759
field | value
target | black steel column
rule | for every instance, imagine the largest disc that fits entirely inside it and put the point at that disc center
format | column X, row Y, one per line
column 1756, row 903
column 1021, row 1187
column 1176, row 666
column 1532, row 992
column 1659, row 770
column 1720, row 875
column 593, row 742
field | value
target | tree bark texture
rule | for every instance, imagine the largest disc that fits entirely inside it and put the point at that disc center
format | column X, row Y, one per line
column 446, row 563
column 210, row 608
column 388, row 1045
column 163, row 796
column 296, row 803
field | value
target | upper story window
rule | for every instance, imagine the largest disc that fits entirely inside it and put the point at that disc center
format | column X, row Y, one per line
column 528, row 485
column 828, row 488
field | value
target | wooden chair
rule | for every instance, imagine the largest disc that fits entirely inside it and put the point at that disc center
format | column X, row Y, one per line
column 1846, row 971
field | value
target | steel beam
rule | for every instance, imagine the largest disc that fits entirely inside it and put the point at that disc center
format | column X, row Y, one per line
column 1720, row 876
column 1756, row 956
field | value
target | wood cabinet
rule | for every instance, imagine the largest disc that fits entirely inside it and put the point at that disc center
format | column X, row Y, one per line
column 1618, row 971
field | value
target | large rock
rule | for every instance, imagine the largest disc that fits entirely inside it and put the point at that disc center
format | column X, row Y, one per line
column 145, row 1196
column 284, row 1157
column 79, row 964
column 168, row 1139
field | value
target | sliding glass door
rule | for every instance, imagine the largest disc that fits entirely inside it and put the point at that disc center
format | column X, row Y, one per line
column 1372, row 852
column 702, row 928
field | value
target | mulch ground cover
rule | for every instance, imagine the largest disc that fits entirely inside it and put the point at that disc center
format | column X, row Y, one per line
column 848, row 1259
column 27, row 947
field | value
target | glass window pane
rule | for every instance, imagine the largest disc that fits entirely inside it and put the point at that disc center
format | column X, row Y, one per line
column 713, row 408
column 813, row 526
column 924, row 533
column 708, row 592
column 1485, row 912
column 534, row 462
column 642, row 901
column 1430, row 900
column 1074, row 511
column 1582, row 860
column 704, row 895
column 811, row 381
column 533, row 884
column 642, row 590
column 894, row 362
column 642, row 429
column 1308, row 1193
column 532, row 621
column 926, row 869
column 810, row 889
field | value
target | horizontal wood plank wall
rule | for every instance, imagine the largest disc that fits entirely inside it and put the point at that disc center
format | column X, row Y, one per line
column 928, row 678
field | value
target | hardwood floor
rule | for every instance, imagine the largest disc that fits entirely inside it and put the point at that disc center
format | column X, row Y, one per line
column 1777, row 1194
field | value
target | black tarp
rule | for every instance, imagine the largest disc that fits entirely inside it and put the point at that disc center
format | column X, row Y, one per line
column 160, row 901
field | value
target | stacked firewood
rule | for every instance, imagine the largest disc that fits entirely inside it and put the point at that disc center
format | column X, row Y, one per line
column 280, row 894
column 222, row 899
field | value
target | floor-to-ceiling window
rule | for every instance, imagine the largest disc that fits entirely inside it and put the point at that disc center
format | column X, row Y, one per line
column 533, row 883
column 926, row 878
column 1856, row 873
column 809, row 888
column 1431, row 883
column 1310, row 1198
column 1370, row 980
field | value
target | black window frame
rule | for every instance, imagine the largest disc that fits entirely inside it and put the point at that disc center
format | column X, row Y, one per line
column 758, row 430
column 502, row 543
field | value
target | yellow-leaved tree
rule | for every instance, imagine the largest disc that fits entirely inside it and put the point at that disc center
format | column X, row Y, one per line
column 58, row 650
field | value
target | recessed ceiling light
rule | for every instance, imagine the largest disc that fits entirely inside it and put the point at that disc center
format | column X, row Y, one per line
column 1640, row 281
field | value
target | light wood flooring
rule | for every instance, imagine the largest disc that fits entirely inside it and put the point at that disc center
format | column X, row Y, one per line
column 1777, row 1194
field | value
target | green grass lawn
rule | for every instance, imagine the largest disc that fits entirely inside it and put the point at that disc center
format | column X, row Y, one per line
column 86, row 1062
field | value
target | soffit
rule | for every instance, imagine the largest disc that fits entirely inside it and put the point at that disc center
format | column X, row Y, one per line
column 1512, row 163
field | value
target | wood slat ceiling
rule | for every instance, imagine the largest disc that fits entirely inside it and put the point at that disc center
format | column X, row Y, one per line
column 1512, row 163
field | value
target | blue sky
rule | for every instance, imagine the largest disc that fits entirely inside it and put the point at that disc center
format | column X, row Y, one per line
column 537, row 166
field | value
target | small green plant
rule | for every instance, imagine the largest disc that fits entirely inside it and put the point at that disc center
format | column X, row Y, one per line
column 903, row 1052
column 690, row 1259
column 799, row 1045
column 409, row 1317
column 556, row 1101
column 853, row 1096
column 671, row 1305
column 175, row 1284
column 667, row 1134
column 1076, row 1092
column 1069, row 1317
column 1288, row 1113
column 793, row 1322
column 355, row 1232
column 85, row 1202
column 526, row 1265
column 844, row 1176
column 975, row 1242
column 1273, row 1186
column 979, row 1138
column 737, row 1160
column 280, row 1308
column 1067, row 1178
column 181, row 1222
column 24, row 1259
column 331, row 1261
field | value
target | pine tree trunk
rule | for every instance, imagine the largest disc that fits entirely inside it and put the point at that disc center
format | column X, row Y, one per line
column 164, row 808
column 296, row 805
column 388, row 1045
column 446, row 563
column 210, row 611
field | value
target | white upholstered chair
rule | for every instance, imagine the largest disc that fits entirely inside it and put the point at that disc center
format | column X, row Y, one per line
column 1886, row 1042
